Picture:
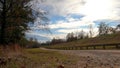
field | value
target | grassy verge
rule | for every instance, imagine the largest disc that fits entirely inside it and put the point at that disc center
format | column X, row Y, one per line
column 37, row 58
column 104, row 39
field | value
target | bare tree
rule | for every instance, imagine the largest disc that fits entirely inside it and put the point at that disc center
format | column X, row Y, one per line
column 71, row 37
column 81, row 35
column 103, row 28
column 118, row 27
column 91, row 32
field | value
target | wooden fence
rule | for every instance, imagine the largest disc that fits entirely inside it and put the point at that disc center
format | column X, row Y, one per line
column 91, row 47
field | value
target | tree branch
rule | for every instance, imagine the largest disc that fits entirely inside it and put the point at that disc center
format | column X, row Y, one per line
column 1, row 1
column 10, row 6
column 0, row 8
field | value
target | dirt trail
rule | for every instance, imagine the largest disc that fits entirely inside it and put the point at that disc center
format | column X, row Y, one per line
column 95, row 58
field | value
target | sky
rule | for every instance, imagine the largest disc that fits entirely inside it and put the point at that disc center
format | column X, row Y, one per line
column 67, row 16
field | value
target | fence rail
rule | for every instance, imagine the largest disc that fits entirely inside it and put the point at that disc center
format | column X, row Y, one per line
column 93, row 47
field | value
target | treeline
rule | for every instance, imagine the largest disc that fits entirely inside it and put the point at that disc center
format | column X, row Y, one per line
column 32, row 43
column 103, row 29
column 76, row 36
column 107, row 29
column 69, row 37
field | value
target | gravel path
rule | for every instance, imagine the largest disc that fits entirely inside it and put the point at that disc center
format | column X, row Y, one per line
column 96, row 58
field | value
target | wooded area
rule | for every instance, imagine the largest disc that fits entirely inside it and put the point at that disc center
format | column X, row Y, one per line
column 15, row 16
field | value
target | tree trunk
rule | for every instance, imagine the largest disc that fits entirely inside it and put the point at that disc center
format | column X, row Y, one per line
column 3, row 24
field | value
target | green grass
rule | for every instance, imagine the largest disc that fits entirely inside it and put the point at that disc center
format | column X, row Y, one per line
column 37, row 58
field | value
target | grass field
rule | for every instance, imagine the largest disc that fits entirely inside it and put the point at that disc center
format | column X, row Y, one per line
column 37, row 58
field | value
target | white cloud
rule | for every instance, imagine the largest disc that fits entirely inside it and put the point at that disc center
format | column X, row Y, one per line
column 58, row 7
column 72, row 30
column 101, row 9
column 49, row 36
column 95, row 29
column 92, row 10
column 38, row 34
column 63, row 34
column 86, row 30
column 71, row 23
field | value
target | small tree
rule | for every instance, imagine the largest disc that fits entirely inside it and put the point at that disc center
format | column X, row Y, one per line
column 118, row 27
column 71, row 37
column 103, row 28
column 81, row 35
column 91, row 32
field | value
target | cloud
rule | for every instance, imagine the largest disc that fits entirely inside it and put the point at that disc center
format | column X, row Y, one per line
column 38, row 34
column 95, row 30
column 70, row 23
column 58, row 7
column 44, row 36
column 91, row 11
column 101, row 9
column 72, row 30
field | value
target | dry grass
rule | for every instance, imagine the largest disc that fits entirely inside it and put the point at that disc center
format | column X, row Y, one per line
column 106, row 39
column 37, row 58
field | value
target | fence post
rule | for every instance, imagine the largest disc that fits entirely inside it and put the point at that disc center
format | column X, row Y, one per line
column 117, row 46
column 80, row 48
column 87, row 47
column 71, row 48
column 104, row 47
column 75, row 48
column 94, row 47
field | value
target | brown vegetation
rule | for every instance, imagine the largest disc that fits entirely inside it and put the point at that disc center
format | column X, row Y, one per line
column 103, row 39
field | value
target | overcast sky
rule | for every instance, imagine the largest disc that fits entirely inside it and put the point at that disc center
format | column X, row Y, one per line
column 75, row 15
